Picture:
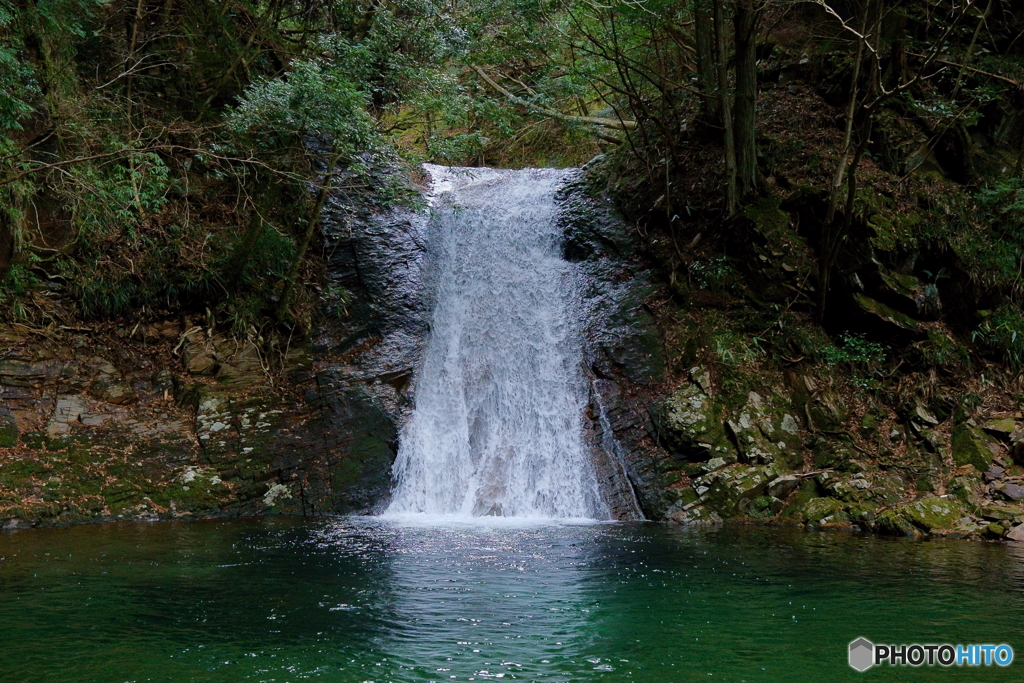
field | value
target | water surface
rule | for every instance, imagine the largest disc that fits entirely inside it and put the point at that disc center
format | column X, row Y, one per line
column 371, row 600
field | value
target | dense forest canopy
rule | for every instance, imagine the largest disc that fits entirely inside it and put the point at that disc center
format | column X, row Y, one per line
column 165, row 155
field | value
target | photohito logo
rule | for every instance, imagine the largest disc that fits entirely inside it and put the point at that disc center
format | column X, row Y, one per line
column 864, row 654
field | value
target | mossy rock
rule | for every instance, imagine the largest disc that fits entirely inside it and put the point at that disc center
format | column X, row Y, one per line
column 929, row 515
column 690, row 425
column 696, row 515
column 835, row 455
column 823, row 511
column 807, row 491
column 934, row 513
column 1002, row 512
column 764, row 507
column 849, row 488
column 896, row 523
column 972, row 447
column 641, row 355
column 965, row 488
column 828, row 412
column 1001, row 427
column 197, row 490
column 766, row 431
column 729, row 491
column 886, row 314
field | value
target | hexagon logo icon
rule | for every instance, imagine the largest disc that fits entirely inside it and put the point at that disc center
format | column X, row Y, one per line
column 862, row 654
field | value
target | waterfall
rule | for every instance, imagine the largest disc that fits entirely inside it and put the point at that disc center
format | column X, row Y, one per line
column 497, row 427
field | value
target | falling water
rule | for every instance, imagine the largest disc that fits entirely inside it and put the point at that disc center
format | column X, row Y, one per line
column 497, row 427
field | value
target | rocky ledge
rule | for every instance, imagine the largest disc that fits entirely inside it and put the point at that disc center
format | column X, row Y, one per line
column 171, row 418
column 701, row 436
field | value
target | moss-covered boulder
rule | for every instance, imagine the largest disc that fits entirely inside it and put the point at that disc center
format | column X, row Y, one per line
column 931, row 514
column 885, row 317
column 824, row 511
column 874, row 488
column 690, row 425
column 694, row 515
column 834, row 454
column 972, row 447
column 1002, row 512
column 766, row 431
column 730, row 490
column 967, row 487
column 827, row 411
column 935, row 513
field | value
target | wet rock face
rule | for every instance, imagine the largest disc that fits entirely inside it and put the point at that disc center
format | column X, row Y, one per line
column 787, row 446
column 185, row 421
column 623, row 350
column 671, row 444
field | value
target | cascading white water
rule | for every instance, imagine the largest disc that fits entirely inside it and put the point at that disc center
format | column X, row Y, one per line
column 497, row 427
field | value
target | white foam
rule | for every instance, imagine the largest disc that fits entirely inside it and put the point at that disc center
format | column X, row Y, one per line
column 497, row 428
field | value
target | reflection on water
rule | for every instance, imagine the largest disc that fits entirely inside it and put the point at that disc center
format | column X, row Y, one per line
column 372, row 600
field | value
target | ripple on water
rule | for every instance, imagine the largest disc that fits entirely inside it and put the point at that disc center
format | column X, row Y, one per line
column 361, row 599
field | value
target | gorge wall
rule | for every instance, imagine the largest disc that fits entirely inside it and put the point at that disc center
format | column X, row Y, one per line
column 173, row 418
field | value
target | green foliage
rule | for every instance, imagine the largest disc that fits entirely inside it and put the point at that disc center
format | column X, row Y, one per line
column 858, row 353
column 15, row 284
column 1001, row 335
column 713, row 273
column 853, row 349
column 997, row 252
column 312, row 100
column 110, row 199
column 942, row 351
column 17, row 86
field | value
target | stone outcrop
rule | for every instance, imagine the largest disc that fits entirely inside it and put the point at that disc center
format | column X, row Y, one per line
column 175, row 418
column 172, row 419
column 786, row 447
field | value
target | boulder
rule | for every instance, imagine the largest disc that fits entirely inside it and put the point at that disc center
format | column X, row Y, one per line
column 696, row 515
column 908, row 293
column 934, row 513
column 782, row 486
column 822, row 511
column 971, row 446
column 198, row 352
column 994, row 473
column 1011, row 491
column 766, row 432
column 1016, row 533
column 242, row 367
column 1001, row 512
column 66, row 413
column 730, row 490
column 1001, row 427
column 965, row 488
column 929, row 515
column 689, row 425
column 109, row 384
column 885, row 316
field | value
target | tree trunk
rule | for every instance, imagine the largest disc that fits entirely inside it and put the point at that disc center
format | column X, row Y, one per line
column 746, row 21
column 704, row 34
column 725, row 106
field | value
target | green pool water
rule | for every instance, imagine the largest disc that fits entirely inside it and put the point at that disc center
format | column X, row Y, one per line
column 368, row 600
